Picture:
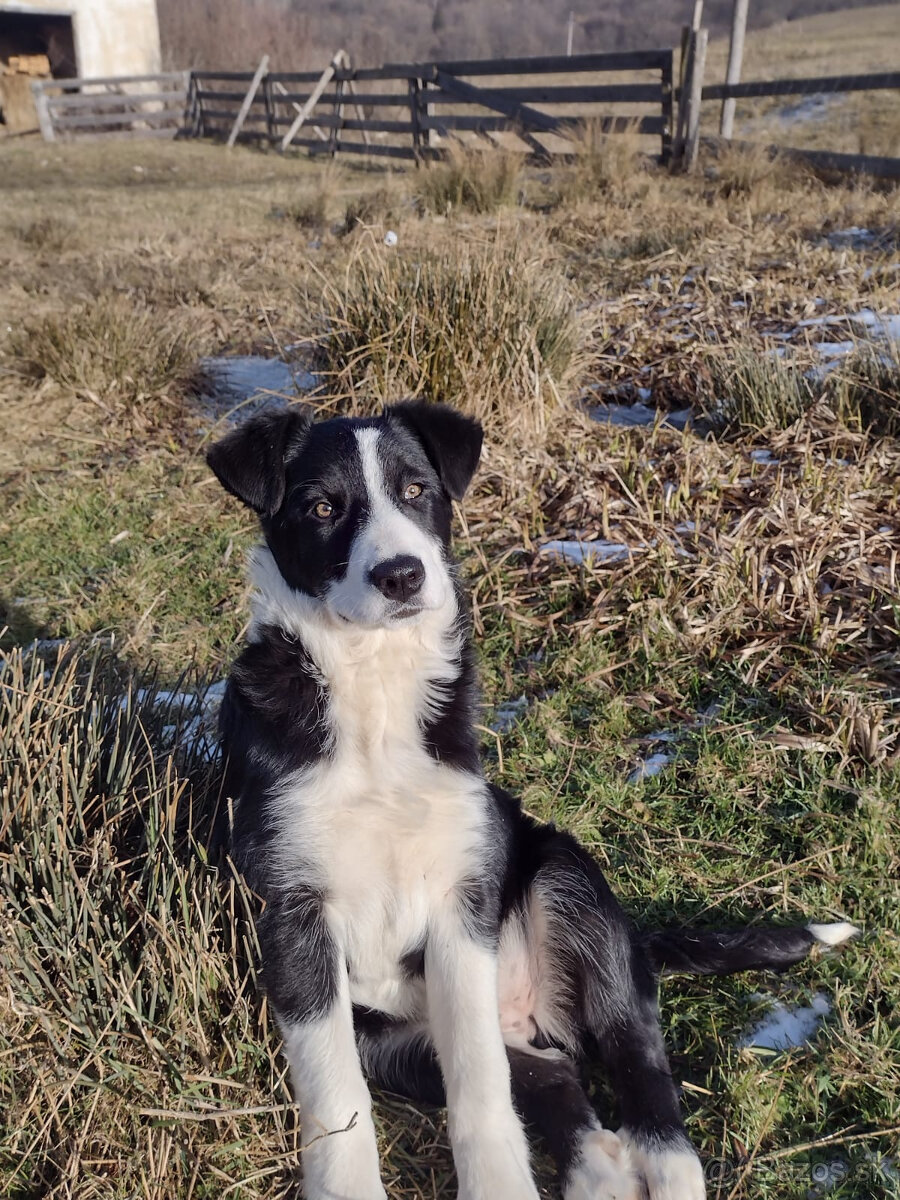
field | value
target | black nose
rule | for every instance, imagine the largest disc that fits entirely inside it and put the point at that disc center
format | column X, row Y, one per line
column 398, row 578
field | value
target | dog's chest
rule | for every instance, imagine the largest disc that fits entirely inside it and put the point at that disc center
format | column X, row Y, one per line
column 383, row 829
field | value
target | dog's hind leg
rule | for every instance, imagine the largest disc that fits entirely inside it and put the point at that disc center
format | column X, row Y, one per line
column 610, row 1001
column 593, row 1162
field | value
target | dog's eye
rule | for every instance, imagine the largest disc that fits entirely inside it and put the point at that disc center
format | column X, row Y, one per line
column 413, row 491
column 323, row 510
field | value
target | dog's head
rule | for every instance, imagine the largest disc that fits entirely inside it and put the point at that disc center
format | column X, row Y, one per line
column 356, row 513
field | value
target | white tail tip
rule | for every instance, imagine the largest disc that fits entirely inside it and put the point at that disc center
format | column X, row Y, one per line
column 834, row 934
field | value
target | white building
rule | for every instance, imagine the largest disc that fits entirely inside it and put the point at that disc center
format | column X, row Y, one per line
column 83, row 37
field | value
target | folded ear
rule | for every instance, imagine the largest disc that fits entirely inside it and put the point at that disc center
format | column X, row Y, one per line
column 451, row 441
column 250, row 462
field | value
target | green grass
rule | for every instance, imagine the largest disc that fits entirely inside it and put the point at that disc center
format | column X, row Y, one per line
column 128, row 998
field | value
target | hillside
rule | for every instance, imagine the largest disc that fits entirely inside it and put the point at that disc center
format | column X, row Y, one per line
column 234, row 33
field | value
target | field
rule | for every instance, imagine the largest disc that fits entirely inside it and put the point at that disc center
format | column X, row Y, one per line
column 708, row 699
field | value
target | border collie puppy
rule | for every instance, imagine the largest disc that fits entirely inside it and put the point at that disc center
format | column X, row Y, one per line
column 418, row 928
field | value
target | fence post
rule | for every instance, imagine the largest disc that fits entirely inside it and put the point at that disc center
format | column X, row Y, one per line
column 42, row 106
column 334, row 141
column 192, row 120
column 698, row 62
column 735, row 57
column 668, row 111
column 248, row 100
column 684, row 84
column 414, row 116
column 269, row 100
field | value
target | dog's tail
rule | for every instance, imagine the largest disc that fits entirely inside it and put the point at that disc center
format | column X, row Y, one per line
column 708, row 952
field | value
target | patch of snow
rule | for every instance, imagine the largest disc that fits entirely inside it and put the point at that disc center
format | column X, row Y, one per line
column 783, row 1028
column 854, row 237
column 585, row 552
column 648, row 767
column 885, row 328
column 766, row 457
column 686, row 527
column 639, row 414
column 810, row 108
column 623, row 414
column 239, row 385
column 196, row 713
column 509, row 714
column 832, row 350
column 882, row 327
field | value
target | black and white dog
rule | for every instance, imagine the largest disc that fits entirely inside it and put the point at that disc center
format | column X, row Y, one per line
column 417, row 927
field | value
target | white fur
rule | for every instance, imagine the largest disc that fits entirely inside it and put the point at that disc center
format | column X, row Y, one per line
column 669, row 1173
column 387, row 833
column 833, row 934
column 339, row 1163
column 603, row 1170
column 387, row 533
column 489, row 1146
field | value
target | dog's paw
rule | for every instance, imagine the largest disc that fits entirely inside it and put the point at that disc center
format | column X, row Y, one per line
column 602, row 1170
column 668, row 1172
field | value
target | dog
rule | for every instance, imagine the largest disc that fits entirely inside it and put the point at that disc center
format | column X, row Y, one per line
column 417, row 927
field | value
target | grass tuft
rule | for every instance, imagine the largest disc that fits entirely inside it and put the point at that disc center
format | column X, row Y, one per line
column 604, row 163
column 112, row 349
column 127, row 959
column 477, row 181
column 491, row 329
column 743, row 388
column 378, row 206
column 50, row 234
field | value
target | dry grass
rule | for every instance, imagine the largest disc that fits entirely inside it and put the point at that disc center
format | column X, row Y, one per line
column 488, row 326
column 603, row 163
column 470, row 180
column 111, row 350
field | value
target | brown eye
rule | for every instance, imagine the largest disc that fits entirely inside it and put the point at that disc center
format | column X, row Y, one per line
column 323, row 510
column 413, row 491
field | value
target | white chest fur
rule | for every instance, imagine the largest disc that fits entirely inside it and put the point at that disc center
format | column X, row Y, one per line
column 379, row 826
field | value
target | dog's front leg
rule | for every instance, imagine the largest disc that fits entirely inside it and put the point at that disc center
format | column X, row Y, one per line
column 310, row 992
column 489, row 1145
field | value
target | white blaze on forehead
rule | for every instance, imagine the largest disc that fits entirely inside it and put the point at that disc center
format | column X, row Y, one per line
column 386, row 533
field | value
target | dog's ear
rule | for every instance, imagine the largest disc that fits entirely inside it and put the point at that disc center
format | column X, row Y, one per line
column 250, row 462
column 451, row 441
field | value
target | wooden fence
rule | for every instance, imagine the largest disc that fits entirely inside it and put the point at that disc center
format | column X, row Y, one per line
column 125, row 105
column 405, row 110
column 400, row 110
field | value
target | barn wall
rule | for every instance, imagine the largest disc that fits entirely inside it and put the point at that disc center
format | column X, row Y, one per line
column 112, row 37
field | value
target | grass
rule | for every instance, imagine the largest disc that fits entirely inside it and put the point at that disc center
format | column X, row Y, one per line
column 110, row 349
column 477, row 181
column 755, row 621
column 752, row 390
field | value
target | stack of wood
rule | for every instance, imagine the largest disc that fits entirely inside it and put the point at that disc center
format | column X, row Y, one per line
column 16, row 101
